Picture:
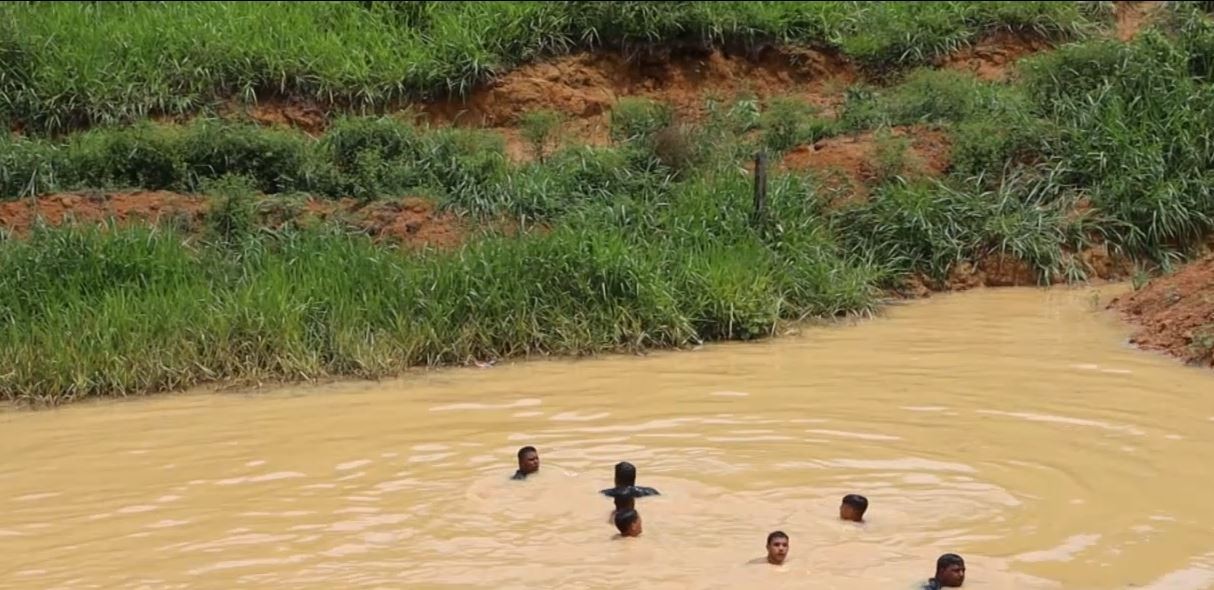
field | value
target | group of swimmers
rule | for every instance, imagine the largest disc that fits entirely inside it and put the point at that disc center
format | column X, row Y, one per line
column 950, row 567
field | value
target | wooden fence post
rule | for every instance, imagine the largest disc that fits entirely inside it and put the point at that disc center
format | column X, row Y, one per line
column 760, row 207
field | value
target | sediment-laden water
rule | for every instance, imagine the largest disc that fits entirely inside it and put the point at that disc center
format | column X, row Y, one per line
column 1014, row 427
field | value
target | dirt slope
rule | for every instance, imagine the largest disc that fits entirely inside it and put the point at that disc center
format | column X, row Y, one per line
column 1175, row 313
column 409, row 221
column 852, row 163
column 1132, row 17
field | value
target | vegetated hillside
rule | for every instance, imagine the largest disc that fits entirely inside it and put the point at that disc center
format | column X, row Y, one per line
column 68, row 64
column 624, row 223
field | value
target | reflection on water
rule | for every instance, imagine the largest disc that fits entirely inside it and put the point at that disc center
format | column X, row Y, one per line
column 1014, row 427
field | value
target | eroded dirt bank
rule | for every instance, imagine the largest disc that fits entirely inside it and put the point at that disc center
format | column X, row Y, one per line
column 1175, row 313
column 410, row 221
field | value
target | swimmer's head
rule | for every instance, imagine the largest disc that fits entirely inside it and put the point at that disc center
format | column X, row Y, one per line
column 777, row 548
column 950, row 571
column 628, row 522
column 853, row 507
column 625, row 503
column 528, row 460
column 625, row 474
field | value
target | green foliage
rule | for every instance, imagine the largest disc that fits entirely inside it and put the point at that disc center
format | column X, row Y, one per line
column 1139, row 278
column 914, row 33
column 1135, row 131
column 928, row 227
column 1202, row 345
column 540, row 129
column 274, row 159
column 639, row 119
column 890, row 156
column 87, row 312
column 68, row 64
column 789, row 121
column 362, row 157
column 984, row 146
column 934, row 96
column 646, row 242
column 234, row 216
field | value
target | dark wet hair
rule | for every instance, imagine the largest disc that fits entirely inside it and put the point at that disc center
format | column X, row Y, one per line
column 525, row 450
column 625, row 502
column 625, row 474
column 948, row 560
column 624, row 519
column 776, row 535
column 860, row 503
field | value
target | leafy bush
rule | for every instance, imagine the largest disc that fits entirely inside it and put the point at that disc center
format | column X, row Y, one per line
column 637, row 119
column 788, row 122
column 540, row 128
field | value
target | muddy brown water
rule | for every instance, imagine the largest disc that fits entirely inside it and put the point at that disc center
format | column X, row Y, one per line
column 1015, row 427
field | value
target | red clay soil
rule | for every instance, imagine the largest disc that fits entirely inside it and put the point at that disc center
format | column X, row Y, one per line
column 146, row 206
column 849, row 163
column 410, row 221
column 1001, row 270
column 289, row 113
column 1175, row 313
column 588, row 84
column 1133, row 16
column 992, row 58
column 584, row 87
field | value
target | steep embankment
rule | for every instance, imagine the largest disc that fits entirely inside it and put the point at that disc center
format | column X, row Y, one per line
column 1175, row 313
column 970, row 172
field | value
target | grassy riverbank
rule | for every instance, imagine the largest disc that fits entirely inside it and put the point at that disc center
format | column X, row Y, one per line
column 89, row 311
column 68, row 64
column 646, row 241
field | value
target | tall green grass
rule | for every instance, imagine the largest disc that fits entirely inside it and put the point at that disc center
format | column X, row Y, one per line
column 1125, row 128
column 647, row 242
column 107, row 311
column 1134, row 133
column 68, row 64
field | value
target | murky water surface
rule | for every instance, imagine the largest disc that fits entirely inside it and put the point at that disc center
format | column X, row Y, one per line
column 1015, row 427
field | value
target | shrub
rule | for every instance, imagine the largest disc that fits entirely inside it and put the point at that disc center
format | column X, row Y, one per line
column 891, row 156
column 234, row 216
column 636, row 119
column 788, row 122
column 274, row 159
column 144, row 156
column 540, row 129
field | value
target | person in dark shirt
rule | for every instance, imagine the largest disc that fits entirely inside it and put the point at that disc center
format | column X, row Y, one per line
column 628, row 522
column 853, row 508
column 625, row 483
column 950, row 573
column 528, row 462
column 777, row 548
column 622, row 503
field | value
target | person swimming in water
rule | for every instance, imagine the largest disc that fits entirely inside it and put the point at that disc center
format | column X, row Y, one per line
column 853, row 508
column 950, row 573
column 622, row 503
column 628, row 522
column 777, row 548
column 528, row 462
column 625, row 483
